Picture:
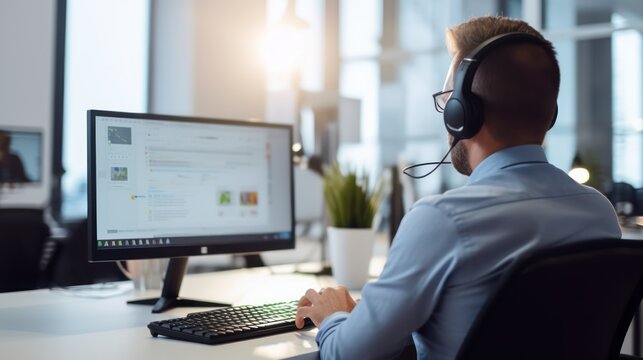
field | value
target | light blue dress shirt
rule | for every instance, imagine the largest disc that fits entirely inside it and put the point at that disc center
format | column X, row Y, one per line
column 451, row 249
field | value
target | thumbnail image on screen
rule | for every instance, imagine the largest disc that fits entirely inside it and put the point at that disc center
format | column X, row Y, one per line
column 119, row 173
column 119, row 135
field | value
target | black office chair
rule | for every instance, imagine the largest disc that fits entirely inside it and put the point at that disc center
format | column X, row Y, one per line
column 572, row 302
column 23, row 233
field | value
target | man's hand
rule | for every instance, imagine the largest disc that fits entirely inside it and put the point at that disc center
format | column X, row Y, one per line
column 318, row 305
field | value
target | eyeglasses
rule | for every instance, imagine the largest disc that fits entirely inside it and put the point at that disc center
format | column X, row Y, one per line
column 440, row 99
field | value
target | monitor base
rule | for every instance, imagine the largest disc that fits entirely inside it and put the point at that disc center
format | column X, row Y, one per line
column 170, row 293
column 163, row 304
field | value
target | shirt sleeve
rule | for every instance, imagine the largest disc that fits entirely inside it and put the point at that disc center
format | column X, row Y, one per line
column 402, row 299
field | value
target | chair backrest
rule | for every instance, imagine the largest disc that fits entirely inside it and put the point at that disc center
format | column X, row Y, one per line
column 572, row 302
column 23, row 233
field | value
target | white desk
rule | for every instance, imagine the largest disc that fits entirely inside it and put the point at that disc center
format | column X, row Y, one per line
column 59, row 324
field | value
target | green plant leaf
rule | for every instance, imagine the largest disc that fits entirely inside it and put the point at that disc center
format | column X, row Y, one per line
column 349, row 202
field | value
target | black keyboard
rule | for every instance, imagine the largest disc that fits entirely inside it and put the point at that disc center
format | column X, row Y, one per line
column 230, row 323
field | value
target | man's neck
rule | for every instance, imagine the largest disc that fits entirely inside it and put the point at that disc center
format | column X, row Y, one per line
column 483, row 145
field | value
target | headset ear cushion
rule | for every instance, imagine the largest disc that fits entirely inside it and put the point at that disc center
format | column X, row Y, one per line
column 454, row 115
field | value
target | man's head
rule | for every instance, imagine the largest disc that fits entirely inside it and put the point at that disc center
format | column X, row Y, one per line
column 517, row 84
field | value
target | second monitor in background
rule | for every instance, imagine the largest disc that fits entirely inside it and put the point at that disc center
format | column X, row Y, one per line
column 20, row 156
column 167, row 186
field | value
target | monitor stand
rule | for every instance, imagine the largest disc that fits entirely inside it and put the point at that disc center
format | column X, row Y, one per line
column 170, row 294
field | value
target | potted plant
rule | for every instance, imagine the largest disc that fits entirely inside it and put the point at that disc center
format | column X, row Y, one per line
column 351, row 207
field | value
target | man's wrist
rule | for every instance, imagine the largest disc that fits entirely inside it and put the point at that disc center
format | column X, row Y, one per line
column 336, row 314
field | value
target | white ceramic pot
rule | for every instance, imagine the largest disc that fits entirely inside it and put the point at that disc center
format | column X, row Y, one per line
column 350, row 252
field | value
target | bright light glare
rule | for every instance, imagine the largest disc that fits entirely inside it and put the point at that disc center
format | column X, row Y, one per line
column 296, row 147
column 283, row 48
column 580, row 175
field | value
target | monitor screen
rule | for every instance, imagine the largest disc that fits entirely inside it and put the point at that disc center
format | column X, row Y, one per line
column 166, row 186
column 20, row 156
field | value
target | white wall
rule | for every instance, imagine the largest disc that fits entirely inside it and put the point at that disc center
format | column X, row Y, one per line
column 206, row 59
column 27, row 39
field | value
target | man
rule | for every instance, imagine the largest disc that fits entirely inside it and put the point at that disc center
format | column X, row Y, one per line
column 451, row 249
column 11, row 168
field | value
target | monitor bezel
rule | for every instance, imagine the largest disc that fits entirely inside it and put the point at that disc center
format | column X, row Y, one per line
column 96, row 255
column 41, row 162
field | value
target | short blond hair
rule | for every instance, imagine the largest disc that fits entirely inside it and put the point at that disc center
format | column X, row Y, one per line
column 463, row 38
column 520, row 81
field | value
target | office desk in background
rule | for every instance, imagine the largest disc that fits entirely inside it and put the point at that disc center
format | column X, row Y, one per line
column 78, row 324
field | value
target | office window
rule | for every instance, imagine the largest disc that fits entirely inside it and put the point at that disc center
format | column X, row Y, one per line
column 601, row 54
column 511, row 8
column 106, row 67
column 422, row 27
column 627, row 53
column 560, row 142
column 294, row 52
column 360, row 23
column 360, row 80
column 360, row 27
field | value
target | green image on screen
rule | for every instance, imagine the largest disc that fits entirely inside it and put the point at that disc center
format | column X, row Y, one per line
column 225, row 198
column 119, row 173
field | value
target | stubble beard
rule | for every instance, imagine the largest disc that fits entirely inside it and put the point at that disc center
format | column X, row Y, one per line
column 460, row 159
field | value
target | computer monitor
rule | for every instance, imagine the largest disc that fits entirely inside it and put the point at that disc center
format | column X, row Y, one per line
column 20, row 156
column 167, row 186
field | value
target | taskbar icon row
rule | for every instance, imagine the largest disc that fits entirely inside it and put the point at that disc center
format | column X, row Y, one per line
column 133, row 242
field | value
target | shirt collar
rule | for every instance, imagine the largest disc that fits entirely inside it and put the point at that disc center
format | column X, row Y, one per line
column 507, row 157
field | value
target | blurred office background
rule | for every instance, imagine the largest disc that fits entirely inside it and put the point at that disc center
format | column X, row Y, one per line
column 354, row 76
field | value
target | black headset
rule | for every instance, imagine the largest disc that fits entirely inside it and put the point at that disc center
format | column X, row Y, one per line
column 463, row 113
